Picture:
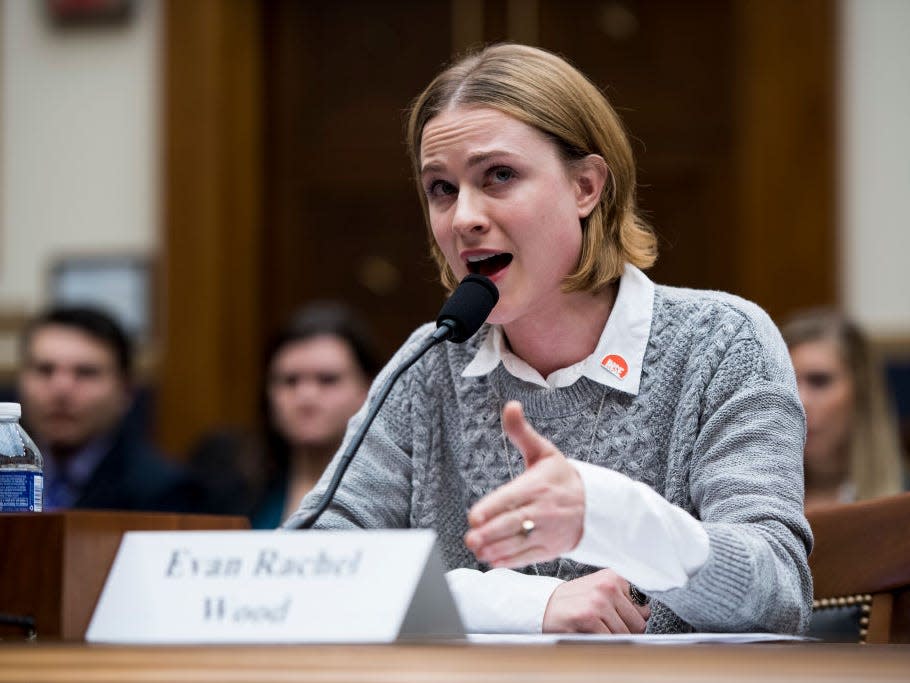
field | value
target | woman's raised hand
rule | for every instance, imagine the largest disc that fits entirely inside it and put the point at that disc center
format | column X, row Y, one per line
column 536, row 517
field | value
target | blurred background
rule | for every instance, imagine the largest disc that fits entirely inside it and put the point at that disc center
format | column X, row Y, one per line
column 204, row 167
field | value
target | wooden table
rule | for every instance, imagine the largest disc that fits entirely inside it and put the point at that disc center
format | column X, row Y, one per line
column 565, row 663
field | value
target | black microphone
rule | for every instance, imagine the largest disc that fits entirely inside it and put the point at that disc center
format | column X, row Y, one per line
column 467, row 308
column 461, row 316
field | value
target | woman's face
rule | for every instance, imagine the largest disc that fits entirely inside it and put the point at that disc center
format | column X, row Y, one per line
column 826, row 390
column 314, row 387
column 503, row 203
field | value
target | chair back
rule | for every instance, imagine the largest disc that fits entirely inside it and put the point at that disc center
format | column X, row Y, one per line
column 861, row 571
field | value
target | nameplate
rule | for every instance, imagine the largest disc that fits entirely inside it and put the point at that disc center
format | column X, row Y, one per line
column 275, row 587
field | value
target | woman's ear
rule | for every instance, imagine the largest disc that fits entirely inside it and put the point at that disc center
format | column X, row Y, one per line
column 590, row 176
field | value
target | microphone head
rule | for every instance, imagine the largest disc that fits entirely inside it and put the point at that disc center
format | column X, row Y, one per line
column 468, row 307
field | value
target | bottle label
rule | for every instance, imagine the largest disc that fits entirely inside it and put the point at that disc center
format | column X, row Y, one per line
column 21, row 491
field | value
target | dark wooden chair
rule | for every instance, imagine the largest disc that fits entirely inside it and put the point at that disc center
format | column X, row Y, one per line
column 861, row 570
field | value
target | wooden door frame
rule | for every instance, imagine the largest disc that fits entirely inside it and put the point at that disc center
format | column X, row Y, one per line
column 211, row 346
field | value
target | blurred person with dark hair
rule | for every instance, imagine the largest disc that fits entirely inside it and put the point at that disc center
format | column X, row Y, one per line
column 75, row 384
column 852, row 450
column 317, row 373
column 319, row 370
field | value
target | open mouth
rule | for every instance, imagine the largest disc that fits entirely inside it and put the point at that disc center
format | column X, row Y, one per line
column 488, row 264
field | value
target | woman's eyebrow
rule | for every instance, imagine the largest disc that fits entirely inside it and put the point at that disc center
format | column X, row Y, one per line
column 483, row 157
column 473, row 160
column 431, row 167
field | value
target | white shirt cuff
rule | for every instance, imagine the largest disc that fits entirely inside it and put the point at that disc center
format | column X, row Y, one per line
column 634, row 531
column 501, row 600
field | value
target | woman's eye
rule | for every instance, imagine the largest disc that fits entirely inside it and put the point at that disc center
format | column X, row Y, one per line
column 819, row 380
column 502, row 174
column 327, row 379
column 288, row 381
column 440, row 188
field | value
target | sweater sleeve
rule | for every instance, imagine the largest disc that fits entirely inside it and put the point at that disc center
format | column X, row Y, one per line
column 746, row 485
column 375, row 492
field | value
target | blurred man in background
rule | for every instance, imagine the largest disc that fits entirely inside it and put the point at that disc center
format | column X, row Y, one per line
column 75, row 384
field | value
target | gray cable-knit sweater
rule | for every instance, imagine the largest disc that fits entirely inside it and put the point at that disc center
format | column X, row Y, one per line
column 717, row 429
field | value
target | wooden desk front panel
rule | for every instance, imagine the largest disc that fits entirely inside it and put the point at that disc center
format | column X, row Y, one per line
column 442, row 663
column 54, row 564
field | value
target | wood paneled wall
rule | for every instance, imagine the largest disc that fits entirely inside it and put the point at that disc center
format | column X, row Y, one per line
column 342, row 217
column 288, row 179
column 786, row 153
column 213, row 299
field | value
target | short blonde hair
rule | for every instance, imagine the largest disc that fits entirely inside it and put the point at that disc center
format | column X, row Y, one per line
column 875, row 459
column 544, row 91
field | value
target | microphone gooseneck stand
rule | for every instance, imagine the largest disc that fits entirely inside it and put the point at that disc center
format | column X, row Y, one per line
column 461, row 316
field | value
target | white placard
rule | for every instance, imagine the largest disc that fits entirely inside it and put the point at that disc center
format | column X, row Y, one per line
column 275, row 587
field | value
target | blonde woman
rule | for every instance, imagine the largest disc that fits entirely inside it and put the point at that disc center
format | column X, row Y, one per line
column 601, row 438
column 852, row 450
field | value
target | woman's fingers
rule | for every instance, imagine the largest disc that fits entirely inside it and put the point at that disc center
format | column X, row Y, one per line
column 503, row 500
column 615, row 622
column 522, row 558
column 595, row 603
column 505, row 528
column 550, row 497
column 532, row 445
column 630, row 615
column 503, row 542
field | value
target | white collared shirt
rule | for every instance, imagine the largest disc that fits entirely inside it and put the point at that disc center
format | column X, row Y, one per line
column 617, row 359
column 658, row 546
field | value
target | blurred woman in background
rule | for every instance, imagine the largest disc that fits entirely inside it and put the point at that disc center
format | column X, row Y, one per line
column 318, row 372
column 852, row 450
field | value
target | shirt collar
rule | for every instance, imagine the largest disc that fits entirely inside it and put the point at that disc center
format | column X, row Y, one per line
column 617, row 360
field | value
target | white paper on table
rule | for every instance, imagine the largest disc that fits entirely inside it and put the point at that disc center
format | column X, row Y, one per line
column 637, row 639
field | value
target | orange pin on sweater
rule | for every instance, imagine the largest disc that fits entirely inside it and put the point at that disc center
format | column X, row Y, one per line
column 615, row 364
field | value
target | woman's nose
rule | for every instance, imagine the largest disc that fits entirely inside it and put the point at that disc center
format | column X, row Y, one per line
column 307, row 390
column 807, row 398
column 470, row 217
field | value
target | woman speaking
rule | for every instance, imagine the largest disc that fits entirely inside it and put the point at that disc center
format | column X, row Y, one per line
column 605, row 454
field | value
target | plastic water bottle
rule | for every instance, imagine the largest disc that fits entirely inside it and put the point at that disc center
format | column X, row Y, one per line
column 21, row 465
